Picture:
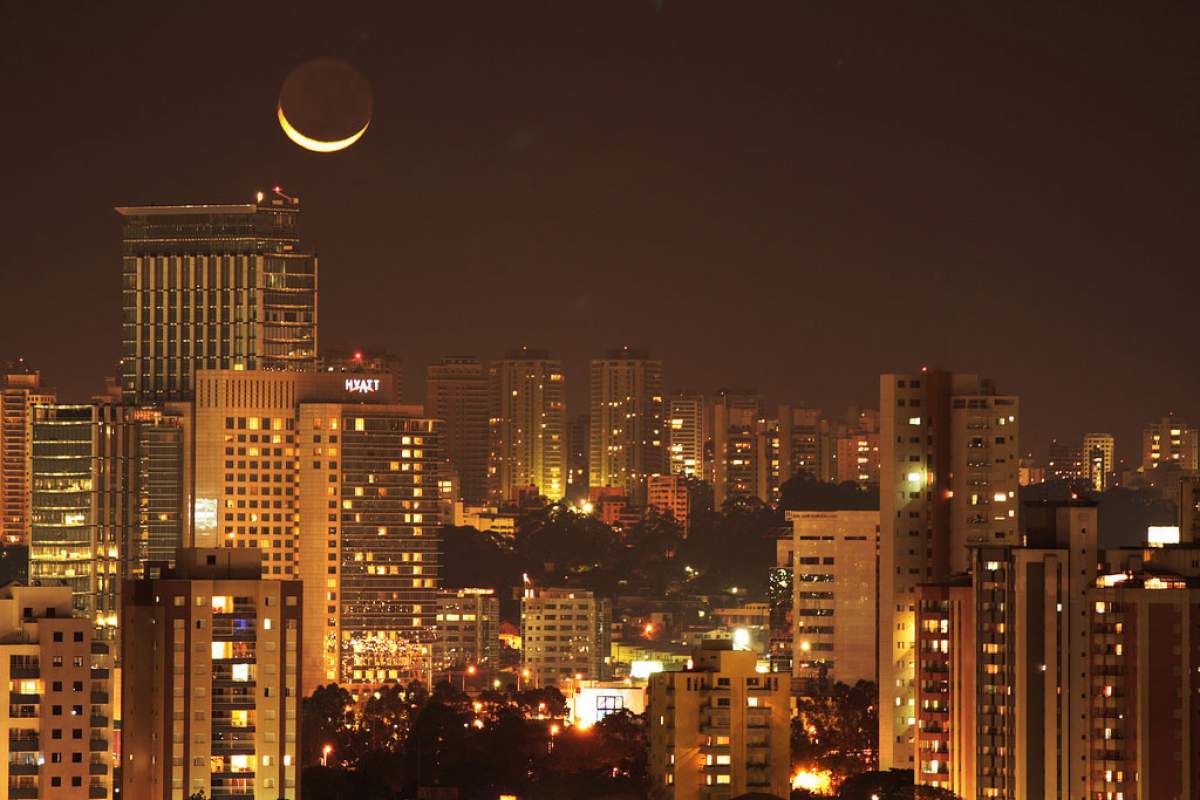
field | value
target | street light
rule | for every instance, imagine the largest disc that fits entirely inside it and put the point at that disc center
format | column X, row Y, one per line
column 470, row 670
column 325, row 751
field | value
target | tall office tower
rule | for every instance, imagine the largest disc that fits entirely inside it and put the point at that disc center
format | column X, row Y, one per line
column 468, row 629
column 671, row 495
column 835, row 559
column 364, row 362
column 58, row 729
column 1170, row 441
column 1098, row 449
column 564, row 633
column 211, row 676
column 736, row 442
column 76, row 530
column 214, row 287
column 1066, row 464
column 1003, row 660
column 368, row 540
column 948, row 453
column 857, row 450
column 21, row 392
column 686, row 434
column 628, row 436
column 528, row 426
column 800, row 443
column 456, row 392
column 577, row 458
column 719, row 729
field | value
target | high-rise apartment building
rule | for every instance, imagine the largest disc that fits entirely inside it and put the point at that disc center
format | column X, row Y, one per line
column 1066, row 464
column 1189, row 510
column 456, row 392
column 686, row 434
column 1098, row 452
column 736, row 445
column 468, row 629
column 214, row 287
column 528, row 426
column 368, row 540
column 1170, row 441
column 949, row 458
column 671, row 495
column 835, row 562
column 211, row 685
column 565, row 633
column 628, row 435
column 719, row 729
column 578, row 433
column 58, row 727
column 857, row 444
column 803, row 450
column 22, row 391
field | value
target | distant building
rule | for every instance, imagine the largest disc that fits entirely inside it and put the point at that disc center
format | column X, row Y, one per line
column 836, row 561
column 719, row 729
column 368, row 363
column 591, row 701
column 1169, row 441
column 1030, row 472
column 949, row 456
column 627, row 421
column 686, row 434
column 577, row 458
column 1098, row 453
column 485, row 518
column 22, row 391
column 58, row 730
column 528, row 426
column 1189, row 510
column 737, row 445
column 858, row 450
column 670, row 495
column 564, row 633
column 456, row 392
column 212, row 655
column 467, row 628
column 1066, row 464
column 223, row 286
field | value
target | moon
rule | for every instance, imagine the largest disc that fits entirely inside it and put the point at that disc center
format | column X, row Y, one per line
column 325, row 105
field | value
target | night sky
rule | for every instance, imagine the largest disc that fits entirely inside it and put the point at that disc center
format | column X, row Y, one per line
column 792, row 197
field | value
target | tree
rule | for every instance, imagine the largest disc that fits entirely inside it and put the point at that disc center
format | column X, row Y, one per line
column 327, row 718
column 836, row 729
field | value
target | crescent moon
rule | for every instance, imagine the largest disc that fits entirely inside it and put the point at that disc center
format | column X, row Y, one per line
column 316, row 145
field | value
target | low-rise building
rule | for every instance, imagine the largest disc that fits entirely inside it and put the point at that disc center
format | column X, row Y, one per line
column 565, row 633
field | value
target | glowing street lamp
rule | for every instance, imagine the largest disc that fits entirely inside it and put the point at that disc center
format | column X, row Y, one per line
column 325, row 751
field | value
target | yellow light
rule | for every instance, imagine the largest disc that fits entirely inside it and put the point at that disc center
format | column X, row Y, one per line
column 316, row 145
column 812, row 780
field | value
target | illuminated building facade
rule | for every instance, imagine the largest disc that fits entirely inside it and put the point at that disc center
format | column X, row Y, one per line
column 857, row 444
column 719, row 729
column 949, row 456
column 564, row 633
column 1170, row 441
column 1066, row 464
column 456, row 392
column 670, row 495
column 214, row 287
column 21, row 392
column 528, row 426
column 736, row 444
column 686, row 434
column 366, row 363
column 211, row 664
column 58, row 725
column 1098, row 452
column 368, row 540
column 468, row 629
column 628, row 435
column 835, row 565
column 577, row 458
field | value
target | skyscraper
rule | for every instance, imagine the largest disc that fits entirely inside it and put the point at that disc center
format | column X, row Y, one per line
column 737, row 446
column 628, row 437
column 1098, row 459
column 528, row 426
column 21, row 392
column 686, row 434
column 456, row 392
column 577, row 458
column 949, row 458
column 214, row 287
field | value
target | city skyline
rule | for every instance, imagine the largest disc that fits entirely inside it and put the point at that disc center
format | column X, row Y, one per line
column 577, row 178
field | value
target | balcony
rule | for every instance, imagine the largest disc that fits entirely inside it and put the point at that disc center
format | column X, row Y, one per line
column 98, row 792
column 99, row 673
column 19, row 698
column 23, row 744
column 100, row 698
column 15, row 792
column 97, row 768
column 99, row 721
column 98, row 745
column 26, row 672
column 22, row 769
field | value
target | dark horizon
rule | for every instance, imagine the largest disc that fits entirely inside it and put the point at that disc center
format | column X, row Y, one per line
column 793, row 200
